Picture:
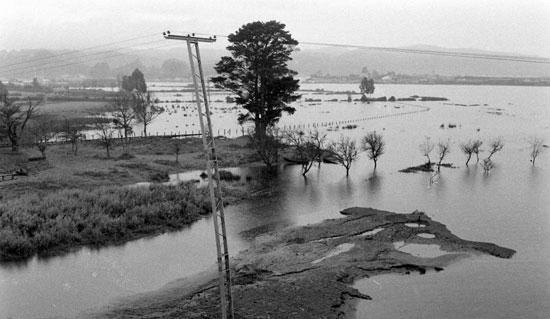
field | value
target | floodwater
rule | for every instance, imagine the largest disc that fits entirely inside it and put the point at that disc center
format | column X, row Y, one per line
column 508, row 207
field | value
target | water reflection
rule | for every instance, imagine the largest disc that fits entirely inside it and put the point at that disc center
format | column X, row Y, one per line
column 374, row 183
column 508, row 207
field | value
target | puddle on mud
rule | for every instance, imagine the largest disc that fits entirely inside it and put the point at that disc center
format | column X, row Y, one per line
column 336, row 251
column 420, row 250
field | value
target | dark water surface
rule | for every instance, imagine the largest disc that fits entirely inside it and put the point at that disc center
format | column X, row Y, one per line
column 509, row 207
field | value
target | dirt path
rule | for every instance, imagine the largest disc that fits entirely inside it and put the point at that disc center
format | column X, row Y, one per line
column 307, row 272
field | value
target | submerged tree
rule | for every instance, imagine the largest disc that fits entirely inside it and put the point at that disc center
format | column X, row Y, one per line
column 267, row 146
column 443, row 149
column 373, row 143
column 496, row 146
column 345, row 151
column 305, row 150
column 258, row 74
column 468, row 149
column 319, row 141
column 471, row 147
column 426, row 148
column 536, row 147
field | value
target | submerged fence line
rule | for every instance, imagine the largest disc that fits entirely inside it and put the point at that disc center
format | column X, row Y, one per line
column 236, row 132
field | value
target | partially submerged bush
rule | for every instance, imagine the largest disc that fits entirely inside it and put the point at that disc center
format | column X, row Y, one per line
column 68, row 218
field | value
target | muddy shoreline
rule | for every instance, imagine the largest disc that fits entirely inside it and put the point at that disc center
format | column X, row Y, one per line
column 308, row 272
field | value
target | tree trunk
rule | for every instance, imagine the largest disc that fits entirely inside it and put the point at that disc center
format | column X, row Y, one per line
column 108, row 153
column 12, row 136
column 375, row 162
column 468, row 160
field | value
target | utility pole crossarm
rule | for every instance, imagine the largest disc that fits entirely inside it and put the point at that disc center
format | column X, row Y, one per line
column 216, row 199
column 190, row 38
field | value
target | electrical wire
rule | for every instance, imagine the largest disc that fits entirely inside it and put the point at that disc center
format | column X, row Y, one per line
column 99, row 58
column 78, row 51
column 12, row 69
column 117, row 50
column 498, row 57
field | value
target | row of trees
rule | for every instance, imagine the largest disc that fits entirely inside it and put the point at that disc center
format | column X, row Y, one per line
column 474, row 147
column 132, row 105
column 308, row 149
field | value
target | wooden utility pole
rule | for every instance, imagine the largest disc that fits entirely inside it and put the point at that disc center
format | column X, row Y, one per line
column 212, row 169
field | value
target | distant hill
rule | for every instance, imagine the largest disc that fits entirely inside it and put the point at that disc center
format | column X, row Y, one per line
column 307, row 60
column 352, row 61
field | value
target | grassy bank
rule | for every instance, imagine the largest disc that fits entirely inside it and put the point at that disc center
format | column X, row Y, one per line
column 89, row 169
column 59, row 221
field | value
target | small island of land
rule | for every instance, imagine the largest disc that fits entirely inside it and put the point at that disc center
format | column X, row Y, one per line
column 307, row 272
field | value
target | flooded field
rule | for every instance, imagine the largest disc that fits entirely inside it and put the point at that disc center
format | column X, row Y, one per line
column 508, row 207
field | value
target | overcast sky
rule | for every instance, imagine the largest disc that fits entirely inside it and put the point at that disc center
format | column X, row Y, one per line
column 519, row 26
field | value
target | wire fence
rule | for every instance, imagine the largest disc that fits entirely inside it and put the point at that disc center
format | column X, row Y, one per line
column 91, row 136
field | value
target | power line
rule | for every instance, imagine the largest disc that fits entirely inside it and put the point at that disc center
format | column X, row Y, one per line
column 11, row 68
column 54, row 63
column 498, row 57
column 96, row 59
column 79, row 51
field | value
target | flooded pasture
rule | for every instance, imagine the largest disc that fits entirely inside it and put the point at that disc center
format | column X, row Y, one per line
column 508, row 207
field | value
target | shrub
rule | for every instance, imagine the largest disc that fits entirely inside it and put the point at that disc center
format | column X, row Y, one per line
column 81, row 217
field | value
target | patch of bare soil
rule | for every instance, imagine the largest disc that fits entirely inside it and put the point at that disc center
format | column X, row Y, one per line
column 307, row 272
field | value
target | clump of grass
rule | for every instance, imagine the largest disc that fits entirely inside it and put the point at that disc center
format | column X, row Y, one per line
column 224, row 176
column 159, row 177
column 69, row 218
column 228, row 176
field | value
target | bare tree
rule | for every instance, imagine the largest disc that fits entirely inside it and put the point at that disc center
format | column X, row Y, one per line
column 305, row 151
column 443, row 149
column 426, row 148
column 14, row 117
column 72, row 133
column 374, row 145
column 471, row 147
column 319, row 140
column 123, row 115
column 536, row 145
column 145, row 109
column 468, row 149
column 477, row 148
column 42, row 130
column 487, row 165
column 106, row 132
column 267, row 146
column 345, row 152
column 496, row 146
